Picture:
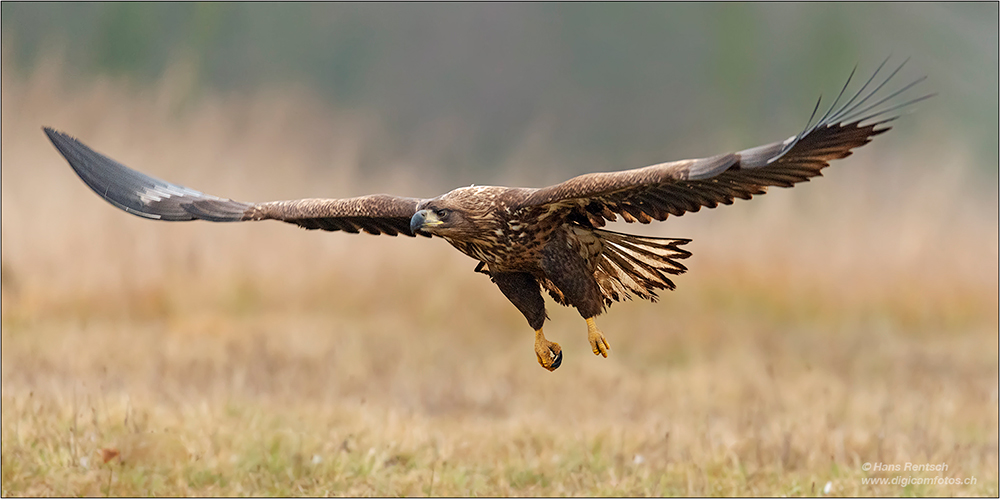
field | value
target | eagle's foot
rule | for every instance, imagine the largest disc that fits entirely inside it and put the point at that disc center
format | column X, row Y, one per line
column 549, row 353
column 597, row 340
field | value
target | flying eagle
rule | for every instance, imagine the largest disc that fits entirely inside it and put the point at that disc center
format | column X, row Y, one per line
column 551, row 238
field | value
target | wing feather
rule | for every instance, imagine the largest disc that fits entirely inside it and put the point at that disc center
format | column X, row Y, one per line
column 678, row 187
column 150, row 197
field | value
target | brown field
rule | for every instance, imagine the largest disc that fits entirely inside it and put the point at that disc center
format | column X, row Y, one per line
column 847, row 321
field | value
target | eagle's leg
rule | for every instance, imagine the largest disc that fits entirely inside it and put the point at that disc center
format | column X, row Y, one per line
column 571, row 273
column 523, row 291
column 597, row 340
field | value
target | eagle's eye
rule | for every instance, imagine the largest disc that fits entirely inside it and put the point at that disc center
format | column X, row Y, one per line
column 442, row 214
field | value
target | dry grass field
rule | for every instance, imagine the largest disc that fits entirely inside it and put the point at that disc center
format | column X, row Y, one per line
column 850, row 320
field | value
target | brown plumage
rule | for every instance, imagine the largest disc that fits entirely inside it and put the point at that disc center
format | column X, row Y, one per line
column 529, row 239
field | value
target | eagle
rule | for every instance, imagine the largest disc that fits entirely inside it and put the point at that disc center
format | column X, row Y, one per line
column 551, row 238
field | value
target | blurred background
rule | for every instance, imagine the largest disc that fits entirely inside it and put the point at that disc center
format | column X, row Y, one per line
column 850, row 319
column 612, row 85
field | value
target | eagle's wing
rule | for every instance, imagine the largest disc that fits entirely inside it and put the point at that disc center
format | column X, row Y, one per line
column 150, row 197
column 654, row 192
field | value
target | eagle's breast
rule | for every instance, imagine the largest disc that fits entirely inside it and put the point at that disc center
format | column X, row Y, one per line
column 514, row 239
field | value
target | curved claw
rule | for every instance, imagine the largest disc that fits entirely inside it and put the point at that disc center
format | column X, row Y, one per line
column 548, row 353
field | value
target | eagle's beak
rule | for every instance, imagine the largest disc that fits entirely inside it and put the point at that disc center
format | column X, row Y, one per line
column 423, row 219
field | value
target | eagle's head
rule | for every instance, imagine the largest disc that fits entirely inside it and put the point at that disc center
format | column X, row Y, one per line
column 461, row 214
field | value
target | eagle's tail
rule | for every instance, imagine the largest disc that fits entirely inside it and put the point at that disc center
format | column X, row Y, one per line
column 637, row 265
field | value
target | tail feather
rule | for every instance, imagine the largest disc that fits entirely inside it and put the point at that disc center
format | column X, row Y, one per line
column 637, row 265
column 656, row 257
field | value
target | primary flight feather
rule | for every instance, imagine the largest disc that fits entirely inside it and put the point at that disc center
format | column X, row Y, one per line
column 527, row 239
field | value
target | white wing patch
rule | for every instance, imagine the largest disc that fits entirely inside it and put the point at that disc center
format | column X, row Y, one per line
column 161, row 192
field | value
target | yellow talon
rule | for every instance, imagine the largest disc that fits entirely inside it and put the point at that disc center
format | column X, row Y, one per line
column 549, row 353
column 597, row 340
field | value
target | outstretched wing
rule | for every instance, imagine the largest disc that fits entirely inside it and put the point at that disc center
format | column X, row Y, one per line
column 654, row 192
column 150, row 197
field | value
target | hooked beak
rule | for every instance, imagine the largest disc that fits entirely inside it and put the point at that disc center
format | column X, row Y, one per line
column 424, row 219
